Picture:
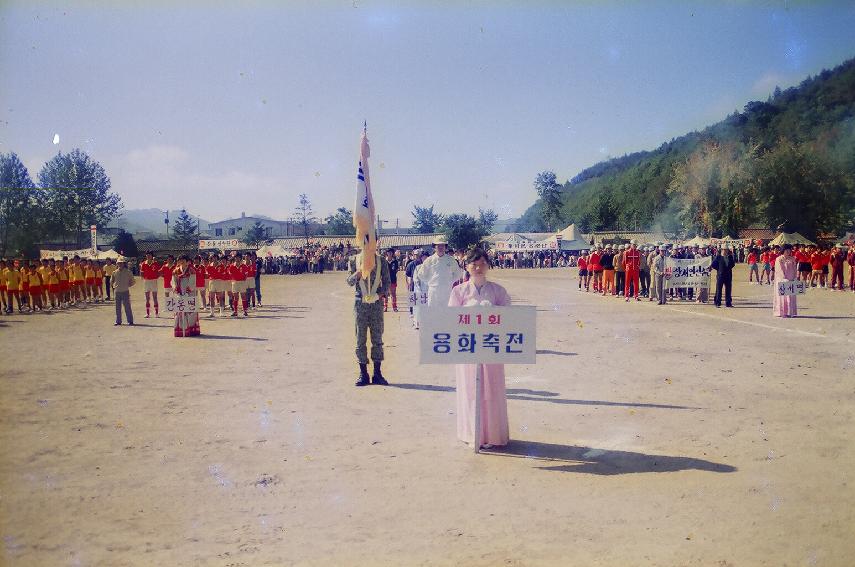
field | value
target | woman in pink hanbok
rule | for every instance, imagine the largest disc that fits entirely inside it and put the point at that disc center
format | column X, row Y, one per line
column 494, row 406
column 184, row 287
column 786, row 269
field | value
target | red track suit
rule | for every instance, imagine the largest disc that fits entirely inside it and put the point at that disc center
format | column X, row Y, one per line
column 631, row 262
column 851, row 261
column 837, row 259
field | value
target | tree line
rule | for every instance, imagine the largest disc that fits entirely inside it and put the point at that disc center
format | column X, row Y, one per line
column 788, row 162
column 73, row 193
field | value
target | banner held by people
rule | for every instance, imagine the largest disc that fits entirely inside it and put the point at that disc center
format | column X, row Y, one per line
column 688, row 272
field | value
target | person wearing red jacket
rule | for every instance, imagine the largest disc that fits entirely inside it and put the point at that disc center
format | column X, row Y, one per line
column 238, row 277
column 166, row 273
column 803, row 259
column 632, row 265
column 201, row 273
column 582, row 264
column 753, row 270
column 249, row 270
column 850, row 259
column 150, row 272
column 218, row 275
column 836, row 260
column 816, row 263
column 596, row 268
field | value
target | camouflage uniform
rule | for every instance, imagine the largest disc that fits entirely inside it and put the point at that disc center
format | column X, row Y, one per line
column 369, row 316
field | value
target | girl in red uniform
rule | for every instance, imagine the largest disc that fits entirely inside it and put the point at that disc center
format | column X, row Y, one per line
column 199, row 268
column 583, row 269
column 150, row 272
column 594, row 264
column 238, row 293
column 249, row 262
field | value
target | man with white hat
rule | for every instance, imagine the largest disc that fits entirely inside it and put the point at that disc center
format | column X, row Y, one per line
column 439, row 272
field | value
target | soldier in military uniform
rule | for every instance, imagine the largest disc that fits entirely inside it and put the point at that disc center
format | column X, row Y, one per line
column 368, row 310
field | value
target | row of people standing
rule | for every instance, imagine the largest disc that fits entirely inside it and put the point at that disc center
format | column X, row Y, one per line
column 52, row 284
column 214, row 279
column 630, row 271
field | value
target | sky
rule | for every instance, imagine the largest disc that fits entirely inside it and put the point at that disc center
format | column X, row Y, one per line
column 226, row 108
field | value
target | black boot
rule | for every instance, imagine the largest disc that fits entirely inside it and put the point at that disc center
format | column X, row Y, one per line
column 363, row 376
column 377, row 378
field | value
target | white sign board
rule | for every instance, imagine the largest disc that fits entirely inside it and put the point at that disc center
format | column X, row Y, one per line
column 526, row 245
column 787, row 287
column 688, row 272
column 181, row 303
column 219, row 244
column 478, row 335
column 94, row 231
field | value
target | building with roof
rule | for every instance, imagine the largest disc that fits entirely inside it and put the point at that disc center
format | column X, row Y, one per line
column 238, row 227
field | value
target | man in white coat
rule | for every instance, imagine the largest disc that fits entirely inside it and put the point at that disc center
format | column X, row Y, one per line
column 439, row 272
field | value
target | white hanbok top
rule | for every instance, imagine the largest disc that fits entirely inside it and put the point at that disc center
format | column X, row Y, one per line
column 438, row 273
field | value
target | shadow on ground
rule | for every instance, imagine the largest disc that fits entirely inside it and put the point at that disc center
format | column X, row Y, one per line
column 601, row 461
column 527, row 395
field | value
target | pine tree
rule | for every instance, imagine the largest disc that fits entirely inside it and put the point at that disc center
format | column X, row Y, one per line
column 185, row 229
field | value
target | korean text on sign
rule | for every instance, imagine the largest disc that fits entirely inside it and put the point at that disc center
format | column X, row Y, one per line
column 181, row 304
column 460, row 335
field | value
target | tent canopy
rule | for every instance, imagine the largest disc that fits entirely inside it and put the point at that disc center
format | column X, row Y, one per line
column 698, row 241
column 572, row 240
column 85, row 254
column 789, row 238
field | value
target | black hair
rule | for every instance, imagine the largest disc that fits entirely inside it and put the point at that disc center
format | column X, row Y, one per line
column 476, row 254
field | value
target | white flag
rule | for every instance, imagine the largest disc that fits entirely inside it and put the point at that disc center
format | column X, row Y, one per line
column 363, row 211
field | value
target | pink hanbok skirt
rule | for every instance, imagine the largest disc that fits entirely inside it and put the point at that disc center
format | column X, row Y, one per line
column 783, row 305
column 494, row 406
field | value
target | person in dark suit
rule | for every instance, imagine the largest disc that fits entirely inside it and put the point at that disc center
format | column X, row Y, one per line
column 723, row 265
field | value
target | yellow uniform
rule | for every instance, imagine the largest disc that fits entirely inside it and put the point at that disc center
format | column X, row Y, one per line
column 13, row 279
column 109, row 269
column 76, row 272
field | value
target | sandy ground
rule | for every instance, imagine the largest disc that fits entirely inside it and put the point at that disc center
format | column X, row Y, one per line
column 645, row 435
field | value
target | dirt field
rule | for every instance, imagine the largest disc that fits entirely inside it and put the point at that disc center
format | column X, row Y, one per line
column 645, row 435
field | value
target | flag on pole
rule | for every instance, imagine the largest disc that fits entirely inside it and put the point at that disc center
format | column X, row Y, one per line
column 363, row 211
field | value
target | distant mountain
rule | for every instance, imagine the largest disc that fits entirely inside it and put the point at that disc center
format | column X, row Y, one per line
column 505, row 225
column 151, row 220
column 788, row 161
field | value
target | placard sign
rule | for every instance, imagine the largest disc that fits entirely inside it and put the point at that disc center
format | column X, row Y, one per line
column 688, row 272
column 526, row 245
column 477, row 335
column 219, row 244
column 787, row 287
column 181, row 303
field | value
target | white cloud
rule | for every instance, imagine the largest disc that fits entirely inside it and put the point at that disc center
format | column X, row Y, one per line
column 767, row 82
column 167, row 177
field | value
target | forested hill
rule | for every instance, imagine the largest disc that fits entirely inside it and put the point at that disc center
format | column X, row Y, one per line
column 787, row 161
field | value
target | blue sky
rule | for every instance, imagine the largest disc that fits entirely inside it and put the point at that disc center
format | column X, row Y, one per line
column 223, row 109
